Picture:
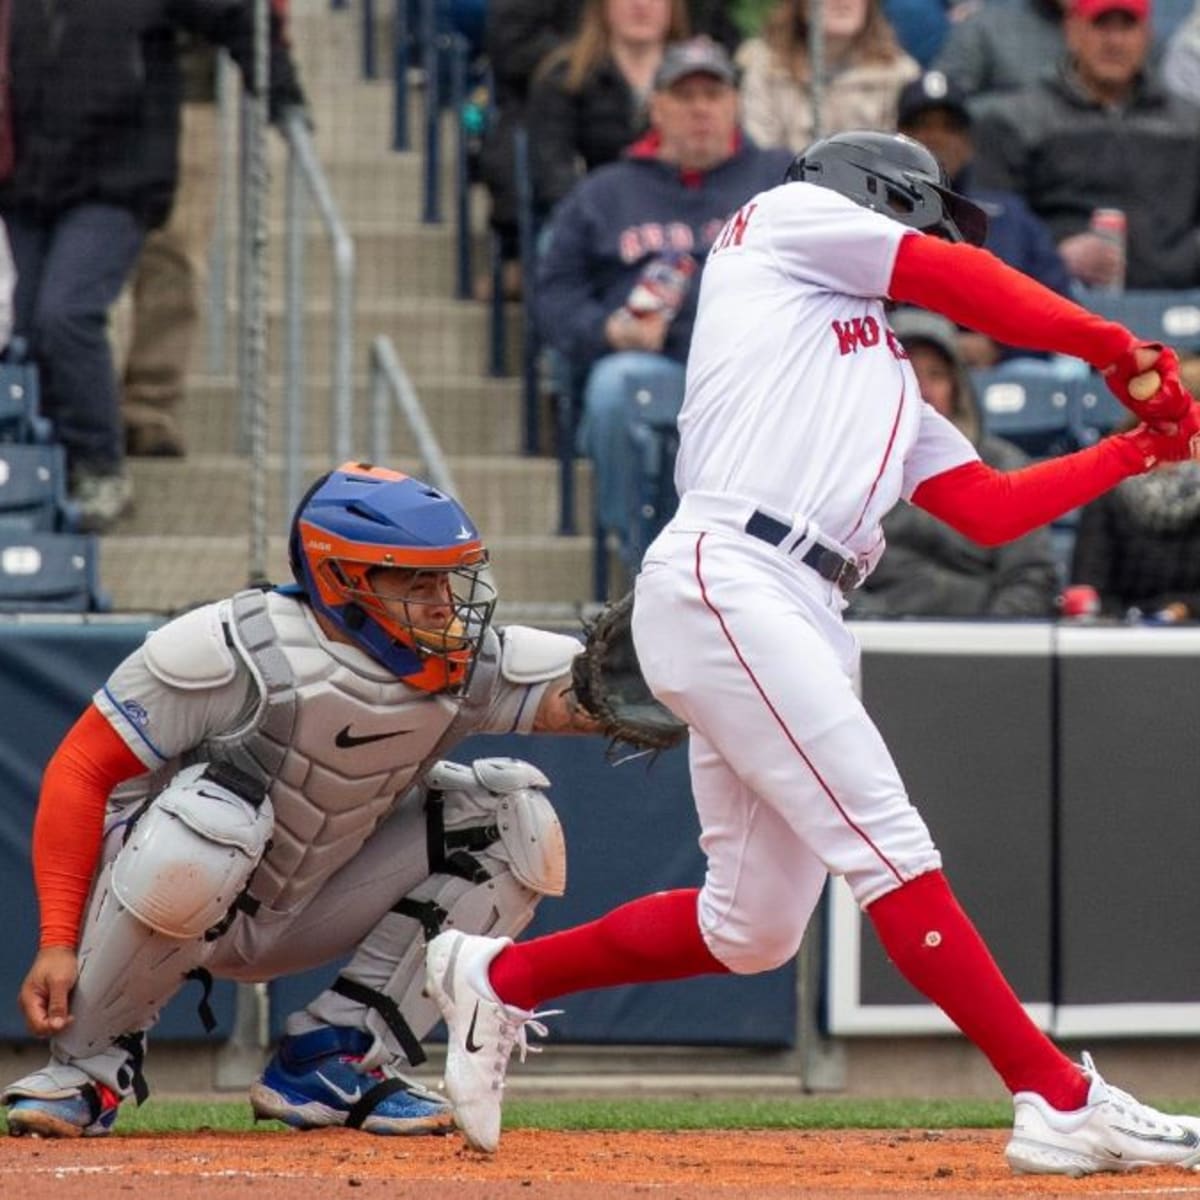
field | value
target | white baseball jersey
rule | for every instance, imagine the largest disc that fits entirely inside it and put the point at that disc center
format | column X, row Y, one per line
column 798, row 394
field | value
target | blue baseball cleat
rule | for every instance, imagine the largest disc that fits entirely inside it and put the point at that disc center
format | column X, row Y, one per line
column 316, row 1081
column 87, row 1111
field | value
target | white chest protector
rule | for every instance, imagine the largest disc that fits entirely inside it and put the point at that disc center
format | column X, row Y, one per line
column 334, row 744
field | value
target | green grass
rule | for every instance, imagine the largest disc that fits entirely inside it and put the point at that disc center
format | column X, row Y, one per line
column 170, row 1115
column 801, row 1112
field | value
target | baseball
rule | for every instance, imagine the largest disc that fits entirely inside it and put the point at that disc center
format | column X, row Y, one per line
column 1143, row 386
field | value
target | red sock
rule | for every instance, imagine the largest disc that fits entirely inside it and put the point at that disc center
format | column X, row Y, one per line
column 653, row 938
column 936, row 948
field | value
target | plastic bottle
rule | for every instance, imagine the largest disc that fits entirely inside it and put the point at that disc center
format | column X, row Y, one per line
column 663, row 285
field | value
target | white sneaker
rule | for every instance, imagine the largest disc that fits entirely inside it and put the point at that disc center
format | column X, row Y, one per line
column 481, row 1031
column 1112, row 1132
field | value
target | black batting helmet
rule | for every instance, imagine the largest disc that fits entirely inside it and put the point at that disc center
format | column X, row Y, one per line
column 893, row 175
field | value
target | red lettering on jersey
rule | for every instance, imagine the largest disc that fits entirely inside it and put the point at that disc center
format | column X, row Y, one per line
column 896, row 346
column 855, row 333
column 735, row 228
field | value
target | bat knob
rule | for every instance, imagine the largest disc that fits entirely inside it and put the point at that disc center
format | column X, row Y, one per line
column 1143, row 386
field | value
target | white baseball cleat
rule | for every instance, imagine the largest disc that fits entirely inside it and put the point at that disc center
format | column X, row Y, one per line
column 1112, row 1132
column 481, row 1031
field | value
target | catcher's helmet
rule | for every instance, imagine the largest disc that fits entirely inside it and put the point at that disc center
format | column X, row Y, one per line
column 893, row 175
column 360, row 519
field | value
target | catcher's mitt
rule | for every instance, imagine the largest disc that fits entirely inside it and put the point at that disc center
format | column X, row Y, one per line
column 609, row 685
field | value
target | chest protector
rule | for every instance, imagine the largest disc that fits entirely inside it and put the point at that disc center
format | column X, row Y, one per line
column 335, row 739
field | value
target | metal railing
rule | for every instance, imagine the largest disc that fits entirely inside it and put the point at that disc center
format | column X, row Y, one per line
column 306, row 180
column 389, row 383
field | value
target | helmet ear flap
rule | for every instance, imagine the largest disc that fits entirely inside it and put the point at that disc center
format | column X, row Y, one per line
column 295, row 557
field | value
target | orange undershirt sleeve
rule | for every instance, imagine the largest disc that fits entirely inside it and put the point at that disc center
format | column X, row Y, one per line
column 67, row 831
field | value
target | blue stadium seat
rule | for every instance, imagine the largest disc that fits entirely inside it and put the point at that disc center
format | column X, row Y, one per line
column 1166, row 315
column 49, row 572
column 19, row 398
column 1034, row 413
column 651, row 421
column 33, row 490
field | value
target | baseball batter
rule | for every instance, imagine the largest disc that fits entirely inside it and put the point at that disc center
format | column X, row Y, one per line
column 802, row 426
column 258, row 790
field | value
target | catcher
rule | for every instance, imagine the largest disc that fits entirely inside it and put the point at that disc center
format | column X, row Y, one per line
column 259, row 789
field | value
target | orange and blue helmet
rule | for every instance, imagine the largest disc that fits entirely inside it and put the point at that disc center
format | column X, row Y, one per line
column 360, row 520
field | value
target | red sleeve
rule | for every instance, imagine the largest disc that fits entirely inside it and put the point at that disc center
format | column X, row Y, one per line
column 974, row 288
column 991, row 507
column 91, row 760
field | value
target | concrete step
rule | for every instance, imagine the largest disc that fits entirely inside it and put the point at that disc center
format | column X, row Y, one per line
column 391, row 258
column 164, row 573
column 382, row 187
column 469, row 415
column 209, row 494
column 433, row 336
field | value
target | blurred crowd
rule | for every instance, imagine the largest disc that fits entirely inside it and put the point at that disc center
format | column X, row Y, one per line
column 1075, row 123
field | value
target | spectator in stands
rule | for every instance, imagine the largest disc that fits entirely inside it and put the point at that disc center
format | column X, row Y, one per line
column 1139, row 546
column 1003, row 47
column 590, row 99
column 95, row 95
column 928, row 569
column 519, row 36
column 933, row 111
column 1104, row 133
column 159, row 311
column 672, row 192
column 865, row 69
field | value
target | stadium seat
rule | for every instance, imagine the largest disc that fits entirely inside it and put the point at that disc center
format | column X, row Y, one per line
column 19, row 398
column 33, row 492
column 651, row 412
column 1032, row 412
column 49, row 572
column 1167, row 315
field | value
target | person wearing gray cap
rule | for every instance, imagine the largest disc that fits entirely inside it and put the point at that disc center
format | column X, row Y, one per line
column 617, row 282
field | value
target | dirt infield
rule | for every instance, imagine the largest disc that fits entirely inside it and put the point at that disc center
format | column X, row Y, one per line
column 543, row 1166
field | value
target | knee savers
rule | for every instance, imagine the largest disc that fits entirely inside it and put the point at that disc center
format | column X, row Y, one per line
column 187, row 860
column 500, row 799
column 502, row 849
column 193, row 851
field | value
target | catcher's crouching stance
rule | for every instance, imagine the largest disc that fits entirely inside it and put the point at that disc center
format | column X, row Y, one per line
column 259, row 789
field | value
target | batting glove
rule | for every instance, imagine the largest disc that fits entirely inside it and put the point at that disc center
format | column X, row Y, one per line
column 1168, row 441
column 1169, row 403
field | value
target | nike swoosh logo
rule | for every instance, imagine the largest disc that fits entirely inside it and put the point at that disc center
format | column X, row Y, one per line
column 1187, row 1139
column 346, row 1097
column 346, row 740
column 472, row 1045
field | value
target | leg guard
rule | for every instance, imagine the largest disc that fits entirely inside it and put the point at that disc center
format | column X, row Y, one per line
column 495, row 848
column 185, row 864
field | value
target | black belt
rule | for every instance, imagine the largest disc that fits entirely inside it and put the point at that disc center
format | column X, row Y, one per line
column 829, row 563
